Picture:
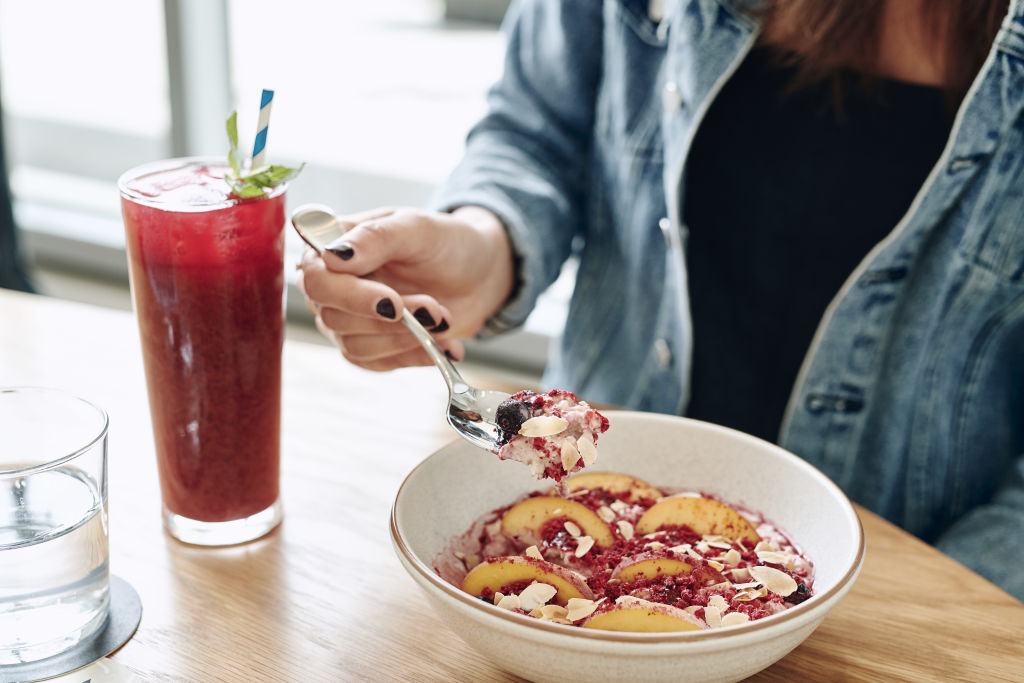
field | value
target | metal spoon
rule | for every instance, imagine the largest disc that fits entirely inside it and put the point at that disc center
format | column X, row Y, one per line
column 471, row 411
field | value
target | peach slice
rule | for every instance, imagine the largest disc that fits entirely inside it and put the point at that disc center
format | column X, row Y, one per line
column 502, row 571
column 525, row 519
column 703, row 515
column 613, row 482
column 645, row 617
column 650, row 566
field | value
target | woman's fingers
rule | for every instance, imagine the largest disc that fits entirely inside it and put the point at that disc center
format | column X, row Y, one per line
column 396, row 236
column 433, row 316
column 353, row 295
column 386, row 352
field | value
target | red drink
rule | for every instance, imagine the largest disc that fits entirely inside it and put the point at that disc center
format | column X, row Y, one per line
column 207, row 278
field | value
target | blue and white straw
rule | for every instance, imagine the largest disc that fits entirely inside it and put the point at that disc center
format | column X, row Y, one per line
column 259, row 149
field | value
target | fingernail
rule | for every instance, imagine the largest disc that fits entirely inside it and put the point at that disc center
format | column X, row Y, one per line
column 342, row 250
column 386, row 308
column 449, row 355
column 424, row 317
column 441, row 326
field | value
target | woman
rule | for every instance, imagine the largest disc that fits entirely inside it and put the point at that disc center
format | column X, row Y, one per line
column 839, row 266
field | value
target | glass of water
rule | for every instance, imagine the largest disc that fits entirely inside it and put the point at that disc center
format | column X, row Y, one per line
column 54, row 559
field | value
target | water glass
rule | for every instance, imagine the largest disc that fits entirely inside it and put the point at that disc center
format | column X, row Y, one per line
column 54, row 556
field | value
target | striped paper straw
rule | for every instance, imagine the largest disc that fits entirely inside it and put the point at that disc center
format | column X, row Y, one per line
column 259, row 149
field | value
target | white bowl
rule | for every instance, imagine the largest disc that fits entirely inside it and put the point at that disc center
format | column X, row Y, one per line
column 445, row 493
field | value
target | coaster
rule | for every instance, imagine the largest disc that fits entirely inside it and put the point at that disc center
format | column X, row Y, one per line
column 125, row 615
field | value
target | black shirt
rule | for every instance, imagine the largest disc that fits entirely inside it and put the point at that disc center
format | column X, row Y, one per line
column 785, row 193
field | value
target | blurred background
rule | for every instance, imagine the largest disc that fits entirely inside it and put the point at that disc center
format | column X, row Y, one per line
column 376, row 98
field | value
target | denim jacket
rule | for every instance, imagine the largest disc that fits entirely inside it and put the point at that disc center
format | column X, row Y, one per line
column 911, row 396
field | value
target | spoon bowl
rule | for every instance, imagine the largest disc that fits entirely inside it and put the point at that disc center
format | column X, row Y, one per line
column 471, row 411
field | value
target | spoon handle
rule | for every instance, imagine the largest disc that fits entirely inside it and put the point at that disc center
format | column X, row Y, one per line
column 456, row 385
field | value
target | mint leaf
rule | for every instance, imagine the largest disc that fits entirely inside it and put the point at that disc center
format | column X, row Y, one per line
column 234, row 154
column 256, row 181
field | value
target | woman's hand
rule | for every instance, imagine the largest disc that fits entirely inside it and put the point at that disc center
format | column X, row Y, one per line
column 452, row 271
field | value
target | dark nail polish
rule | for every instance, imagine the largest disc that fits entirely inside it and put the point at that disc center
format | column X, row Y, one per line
column 424, row 317
column 386, row 308
column 342, row 250
column 441, row 326
column 449, row 355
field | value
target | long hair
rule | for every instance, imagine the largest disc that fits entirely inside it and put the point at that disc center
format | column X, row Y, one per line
column 824, row 37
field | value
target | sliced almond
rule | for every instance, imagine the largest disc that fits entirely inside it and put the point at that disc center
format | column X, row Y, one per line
column 732, row 557
column 702, row 547
column 572, row 529
column 535, row 595
column 580, row 608
column 509, row 602
column 774, row 580
column 742, row 586
column 606, row 514
column 619, row 506
column 534, row 552
column 713, row 615
column 719, row 602
column 735, row 619
column 680, row 549
column 587, row 450
column 584, row 544
column 553, row 611
column 773, row 557
column 716, row 565
column 740, row 574
column 498, row 595
column 570, row 456
column 544, row 425
column 626, row 529
column 654, row 545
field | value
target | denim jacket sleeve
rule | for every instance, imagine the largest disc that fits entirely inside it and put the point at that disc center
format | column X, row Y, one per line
column 527, row 159
column 990, row 538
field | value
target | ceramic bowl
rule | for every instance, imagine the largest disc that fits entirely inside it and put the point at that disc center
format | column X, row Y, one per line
column 445, row 493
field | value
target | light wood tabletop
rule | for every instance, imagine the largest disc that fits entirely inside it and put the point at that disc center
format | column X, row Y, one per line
column 324, row 598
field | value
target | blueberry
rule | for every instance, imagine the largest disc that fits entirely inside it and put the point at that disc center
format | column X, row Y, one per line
column 510, row 416
column 799, row 595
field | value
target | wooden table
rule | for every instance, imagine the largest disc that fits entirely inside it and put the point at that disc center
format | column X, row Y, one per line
column 324, row 597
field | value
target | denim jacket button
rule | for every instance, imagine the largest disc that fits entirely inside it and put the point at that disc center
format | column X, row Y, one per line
column 671, row 97
column 656, row 9
column 666, row 229
column 663, row 353
column 815, row 404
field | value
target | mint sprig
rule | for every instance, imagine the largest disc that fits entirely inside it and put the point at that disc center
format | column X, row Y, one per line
column 256, row 181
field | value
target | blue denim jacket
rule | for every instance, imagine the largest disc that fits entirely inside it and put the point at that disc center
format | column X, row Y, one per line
column 911, row 396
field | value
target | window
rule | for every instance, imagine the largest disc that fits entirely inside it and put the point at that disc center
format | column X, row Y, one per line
column 376, row 97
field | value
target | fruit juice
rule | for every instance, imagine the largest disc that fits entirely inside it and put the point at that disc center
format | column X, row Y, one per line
column 207, row 278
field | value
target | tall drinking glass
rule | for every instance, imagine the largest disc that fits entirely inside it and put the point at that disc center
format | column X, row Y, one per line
column 207, row 277
column 54, row 557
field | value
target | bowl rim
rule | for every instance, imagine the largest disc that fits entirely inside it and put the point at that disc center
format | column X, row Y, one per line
column 794, row 612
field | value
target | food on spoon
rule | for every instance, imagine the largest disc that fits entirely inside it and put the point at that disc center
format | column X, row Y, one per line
column 703, row 515
column 613, row 482
column 644, row 617
column 554, row 433
column 529, row 521
column 651, row 573
column 511, row 575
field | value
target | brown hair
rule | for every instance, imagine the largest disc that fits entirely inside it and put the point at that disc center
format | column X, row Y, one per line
column 823, row 37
